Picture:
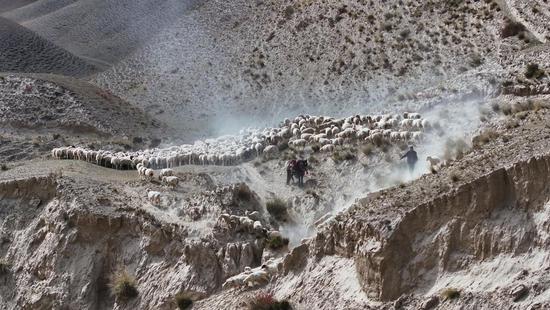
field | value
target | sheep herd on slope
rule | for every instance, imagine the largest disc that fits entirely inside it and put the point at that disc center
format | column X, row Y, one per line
column 326, row 133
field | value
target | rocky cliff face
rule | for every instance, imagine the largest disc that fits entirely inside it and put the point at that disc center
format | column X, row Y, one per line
column 63, row 238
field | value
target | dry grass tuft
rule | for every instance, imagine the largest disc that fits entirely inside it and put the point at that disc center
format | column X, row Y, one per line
column 450, row 293
column 123, row 285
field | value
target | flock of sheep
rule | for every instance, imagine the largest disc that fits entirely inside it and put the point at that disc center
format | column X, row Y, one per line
column 251, row 277
column 326, row 133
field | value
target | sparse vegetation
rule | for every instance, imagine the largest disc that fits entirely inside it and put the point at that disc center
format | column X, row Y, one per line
column 339, row 156
column 183, row 301
column 266, row 301
column 533, row 71
column 313, row 194
column 4, row 266
column 315, row 148
column 511, row 123
column 506, row 108
column 450, row 293
column 485, row 137
column 4, row 167
column 277, row 208
column 454, row 177
column 123, row 285
column 243, row 193
column 511, row 29
column 277, row 243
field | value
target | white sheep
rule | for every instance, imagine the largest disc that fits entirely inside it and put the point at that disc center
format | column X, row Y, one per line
column 235, row 281
column 271, row 150
column 433, row 160
column 327, row 148
column 274, row 234
column 171, row 180
column 256, row 278
column 254, row 215
column 154, row 197
column 299, row 142
column 166, row 173
column 257, row 226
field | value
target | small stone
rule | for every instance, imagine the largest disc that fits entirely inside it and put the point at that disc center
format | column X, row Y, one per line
column 430, row 303
column 519, row 292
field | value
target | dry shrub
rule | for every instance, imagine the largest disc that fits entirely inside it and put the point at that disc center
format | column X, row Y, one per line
column 312, row 159
column 368, row 149
column 454, row 177
column 183, row 301
column 533, row 71
column 243, row 193
column 506, row 108
column 123, row 285
column 4, row 266
column 522, row 115
column 511, row 29
column 277, row 208
column 450, row 293
column 511, row 123
column 266, row 301
column 277, row 243
column 485, row 137
column 343, row 155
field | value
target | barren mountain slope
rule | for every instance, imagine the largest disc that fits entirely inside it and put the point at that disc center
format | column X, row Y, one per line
column 7, row 5
column 102, row 31
column 22, row 50
column 235, row 60
column 39, row 112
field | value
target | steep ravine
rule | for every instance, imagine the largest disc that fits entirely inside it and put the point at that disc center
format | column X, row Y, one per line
column 494, row 214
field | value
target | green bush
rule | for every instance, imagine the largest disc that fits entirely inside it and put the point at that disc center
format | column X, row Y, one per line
column 277, row 208
column 123, row 285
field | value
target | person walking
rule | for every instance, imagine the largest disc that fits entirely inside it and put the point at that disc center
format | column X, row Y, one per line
column 290, row 169
column 412, row 158
column 301, row 169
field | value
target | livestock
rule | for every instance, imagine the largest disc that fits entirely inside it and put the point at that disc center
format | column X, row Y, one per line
column 228, row 150
column 154, row 197
column 171, row 180
column 327, row 148
column 433, row 160
column 166, row 173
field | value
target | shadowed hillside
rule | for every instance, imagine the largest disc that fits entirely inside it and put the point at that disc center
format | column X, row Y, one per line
column 21, row 50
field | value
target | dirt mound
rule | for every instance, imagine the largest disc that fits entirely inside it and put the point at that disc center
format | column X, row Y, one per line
column 21, row 50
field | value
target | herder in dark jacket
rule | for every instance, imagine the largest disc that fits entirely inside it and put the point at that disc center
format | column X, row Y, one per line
column 300, row 170
column 290, row 168
column 412, row 158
